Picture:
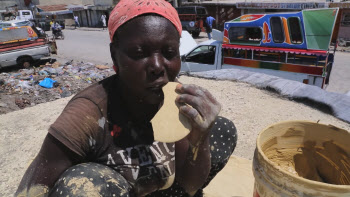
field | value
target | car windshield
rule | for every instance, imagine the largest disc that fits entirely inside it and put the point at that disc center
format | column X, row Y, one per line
column 23, row 23
column 5, row 25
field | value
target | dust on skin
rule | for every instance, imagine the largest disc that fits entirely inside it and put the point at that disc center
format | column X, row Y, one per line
column 83, row 184
column 122, row 190
column 326, row 163
column 105, row 172
column 35, row 191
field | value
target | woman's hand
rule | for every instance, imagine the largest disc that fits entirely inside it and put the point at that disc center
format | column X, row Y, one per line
column 200, row 107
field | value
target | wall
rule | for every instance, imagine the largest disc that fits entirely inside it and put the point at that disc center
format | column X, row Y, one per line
column 103, row 2
column 222, row 13
column 56, row 2
column 4, row 4
column 344, row 30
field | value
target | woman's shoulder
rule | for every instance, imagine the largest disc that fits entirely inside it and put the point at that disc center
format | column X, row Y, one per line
column 98, row 92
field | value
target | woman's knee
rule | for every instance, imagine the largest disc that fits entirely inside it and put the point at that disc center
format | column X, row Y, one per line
column 90, row 179
column 223, row 135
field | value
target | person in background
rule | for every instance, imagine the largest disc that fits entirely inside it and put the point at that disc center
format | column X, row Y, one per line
column 53, row 26
column 102, row 144
column 103, row 20
column 52, row 22
column 76, row 20
column 209, row 26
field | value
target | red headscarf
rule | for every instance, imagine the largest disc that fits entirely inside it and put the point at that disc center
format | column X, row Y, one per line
column 126, row 10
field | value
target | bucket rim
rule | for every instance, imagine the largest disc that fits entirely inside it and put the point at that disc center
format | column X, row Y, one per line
column 285, row 173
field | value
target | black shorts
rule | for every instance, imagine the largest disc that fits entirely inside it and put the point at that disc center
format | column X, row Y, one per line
column 208, row 29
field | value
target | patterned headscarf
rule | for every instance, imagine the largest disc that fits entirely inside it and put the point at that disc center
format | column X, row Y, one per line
column 126, row 10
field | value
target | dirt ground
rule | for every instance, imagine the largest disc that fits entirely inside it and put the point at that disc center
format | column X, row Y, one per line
column 251, row 109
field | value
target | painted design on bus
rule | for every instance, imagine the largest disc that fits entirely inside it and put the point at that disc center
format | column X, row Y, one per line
column 248, row 18
column 266, row 31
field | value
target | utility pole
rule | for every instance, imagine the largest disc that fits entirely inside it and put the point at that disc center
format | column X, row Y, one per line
column 175, row 3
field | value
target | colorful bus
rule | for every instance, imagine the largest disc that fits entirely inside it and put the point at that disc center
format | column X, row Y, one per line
column 298, row 46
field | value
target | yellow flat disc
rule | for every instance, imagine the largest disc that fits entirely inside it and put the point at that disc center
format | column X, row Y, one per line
column 169, row 125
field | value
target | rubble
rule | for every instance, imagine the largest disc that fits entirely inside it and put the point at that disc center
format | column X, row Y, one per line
column 20, row 88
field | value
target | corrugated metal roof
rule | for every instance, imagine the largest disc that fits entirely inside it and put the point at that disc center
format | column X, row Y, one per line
column 49, row 8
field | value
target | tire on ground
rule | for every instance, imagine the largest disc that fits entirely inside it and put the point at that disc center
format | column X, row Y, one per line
column 25, row 62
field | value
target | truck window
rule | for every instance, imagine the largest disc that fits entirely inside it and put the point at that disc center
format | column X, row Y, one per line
column 277, row 29
column 202, row 54
column 245, row 35
column 24, row 23
column 295, row 30
column 186, row 10
column 201, row 11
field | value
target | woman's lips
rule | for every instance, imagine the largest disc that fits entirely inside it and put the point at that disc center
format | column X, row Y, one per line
column 156, row 90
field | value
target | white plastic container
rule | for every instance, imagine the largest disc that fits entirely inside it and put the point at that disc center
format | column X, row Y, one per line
column 273, row 177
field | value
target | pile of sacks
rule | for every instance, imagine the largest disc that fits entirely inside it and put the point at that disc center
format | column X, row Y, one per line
column 28, row 87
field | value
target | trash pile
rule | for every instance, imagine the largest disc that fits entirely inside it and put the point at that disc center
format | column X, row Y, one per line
column 29, row 87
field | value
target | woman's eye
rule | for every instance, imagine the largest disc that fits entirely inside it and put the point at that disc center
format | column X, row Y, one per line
column 170, row 53
column 137, row 53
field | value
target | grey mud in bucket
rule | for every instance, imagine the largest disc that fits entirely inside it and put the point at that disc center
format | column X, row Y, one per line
column 299, row 158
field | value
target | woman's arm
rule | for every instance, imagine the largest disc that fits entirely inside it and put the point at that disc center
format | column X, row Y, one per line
column 53, row 159
column 193, row 153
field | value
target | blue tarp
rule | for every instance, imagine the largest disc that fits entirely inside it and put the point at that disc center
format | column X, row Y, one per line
column 339, row 103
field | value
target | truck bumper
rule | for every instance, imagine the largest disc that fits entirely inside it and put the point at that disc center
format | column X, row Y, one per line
column 190, row 26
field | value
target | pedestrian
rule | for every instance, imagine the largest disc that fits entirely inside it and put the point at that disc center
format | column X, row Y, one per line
column 53, row 27
column 209, row 25
column 76, row 20
column 102, row 144
column 103, row 20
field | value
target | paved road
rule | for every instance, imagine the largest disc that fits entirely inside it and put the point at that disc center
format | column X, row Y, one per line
column 93, row 46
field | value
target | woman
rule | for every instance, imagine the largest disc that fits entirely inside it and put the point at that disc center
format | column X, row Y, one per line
column 102, row 143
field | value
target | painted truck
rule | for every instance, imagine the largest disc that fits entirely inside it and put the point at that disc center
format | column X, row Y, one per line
column 298, row 46
column 22, row 46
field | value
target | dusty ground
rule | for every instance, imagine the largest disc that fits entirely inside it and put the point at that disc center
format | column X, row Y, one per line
column 251, row 109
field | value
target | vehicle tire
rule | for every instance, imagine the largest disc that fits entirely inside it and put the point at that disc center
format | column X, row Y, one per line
column 25, row 62
column 195, row 34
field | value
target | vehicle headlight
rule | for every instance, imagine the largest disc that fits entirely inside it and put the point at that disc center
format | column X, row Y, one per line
column 191, row 24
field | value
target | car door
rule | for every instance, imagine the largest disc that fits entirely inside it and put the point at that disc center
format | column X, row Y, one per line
column 201, row 58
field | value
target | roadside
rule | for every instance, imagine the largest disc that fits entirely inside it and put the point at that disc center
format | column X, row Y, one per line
column 26, row 87
column 85, row 28
column 250, row 108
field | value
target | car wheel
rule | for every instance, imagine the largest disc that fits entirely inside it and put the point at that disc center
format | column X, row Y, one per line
column 25, row 62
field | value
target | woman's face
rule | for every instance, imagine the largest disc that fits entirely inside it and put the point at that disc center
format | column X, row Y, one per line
column 147, row 56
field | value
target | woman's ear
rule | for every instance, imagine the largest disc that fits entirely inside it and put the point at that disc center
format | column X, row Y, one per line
column 115, row 68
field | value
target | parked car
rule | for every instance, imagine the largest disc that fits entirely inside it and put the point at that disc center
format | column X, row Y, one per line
column 192, row 18
column 24, row 15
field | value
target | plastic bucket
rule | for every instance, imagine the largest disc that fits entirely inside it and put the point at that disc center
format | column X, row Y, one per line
column 299, row 158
